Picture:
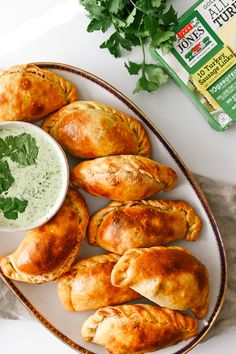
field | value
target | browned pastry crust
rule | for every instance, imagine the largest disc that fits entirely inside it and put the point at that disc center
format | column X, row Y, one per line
column 169, row 276
column 29, row 93
column 90, row 129
column 87, row 285
column 123, row 177
column 136, row 329
column 146, row 223
column 48, row 251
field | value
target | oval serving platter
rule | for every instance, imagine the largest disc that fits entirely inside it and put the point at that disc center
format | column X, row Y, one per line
column 42, row 299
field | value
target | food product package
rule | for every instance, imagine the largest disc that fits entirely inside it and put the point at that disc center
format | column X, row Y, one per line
column 203, row 59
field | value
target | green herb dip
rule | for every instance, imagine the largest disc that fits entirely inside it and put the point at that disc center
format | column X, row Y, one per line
column 40, row 183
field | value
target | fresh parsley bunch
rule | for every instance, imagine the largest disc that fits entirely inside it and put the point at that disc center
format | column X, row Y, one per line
column 135, row 22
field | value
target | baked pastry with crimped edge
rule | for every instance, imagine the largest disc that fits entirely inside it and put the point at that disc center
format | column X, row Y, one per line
column 123, row 177
column 90, row 129
column 87, row 285
column 29, row 93
column 145, row 223
column 137, row 329
column 169, row 276
column 49, row 250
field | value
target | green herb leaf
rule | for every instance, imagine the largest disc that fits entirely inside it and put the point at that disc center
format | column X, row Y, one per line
column 11, row 207
column 137, row 27
column 132, row 38
column 152, row 78
column 118, row 22
column 144, row 5
column 130, row 19
column 3, row 148
column 114, row 44
column 115, row 5
column 160, row 38
column 156, row 74
column 6, row 178
column 102, row 24
column 95, row 9
column 156, row 3
column 170, row 17
column 151, row 24
column 144, row 85
column 22, row 149
column 133, row 68
column 166, row 47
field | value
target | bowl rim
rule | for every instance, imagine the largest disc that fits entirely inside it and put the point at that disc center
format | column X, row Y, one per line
column 65, row 182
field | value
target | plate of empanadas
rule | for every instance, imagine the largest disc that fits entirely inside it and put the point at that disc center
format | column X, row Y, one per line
column 133, row 261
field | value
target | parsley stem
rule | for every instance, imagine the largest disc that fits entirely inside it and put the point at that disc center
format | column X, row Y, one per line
column 134, row 4
column 144, row 56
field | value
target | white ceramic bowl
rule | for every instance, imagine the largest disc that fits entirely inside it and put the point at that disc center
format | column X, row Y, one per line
column 62, row 187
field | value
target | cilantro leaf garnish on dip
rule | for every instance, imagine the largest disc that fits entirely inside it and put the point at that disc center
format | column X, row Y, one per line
column 33, row 176
column 23, row 150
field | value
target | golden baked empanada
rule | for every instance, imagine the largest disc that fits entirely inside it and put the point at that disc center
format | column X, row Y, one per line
column 145, row 223
column 29, row 93
column 49, row 250
column 169, row 276
column 90, row 129
column 123, row 177
column 87, row 285
column 137, row 329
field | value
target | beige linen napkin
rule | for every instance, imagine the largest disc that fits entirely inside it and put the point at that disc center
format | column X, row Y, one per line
column 222, row 199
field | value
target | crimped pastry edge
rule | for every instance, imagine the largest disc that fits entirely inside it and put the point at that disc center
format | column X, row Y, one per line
column 193, row 220
column 135, row 126
column 7, row 261
column 90, row 325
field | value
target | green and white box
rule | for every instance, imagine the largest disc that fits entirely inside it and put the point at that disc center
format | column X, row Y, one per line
column 203, row 59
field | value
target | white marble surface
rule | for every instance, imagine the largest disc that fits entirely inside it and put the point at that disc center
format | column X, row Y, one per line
column 55, row 30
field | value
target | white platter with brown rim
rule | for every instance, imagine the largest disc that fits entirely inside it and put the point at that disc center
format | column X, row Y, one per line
column 42, row 299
